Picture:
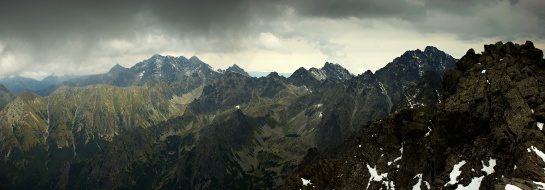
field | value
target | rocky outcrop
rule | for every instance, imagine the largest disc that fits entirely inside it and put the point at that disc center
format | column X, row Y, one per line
column 235, row 68
column 487, row 133
column 406, row 71
column 303, row 77
column 332, row 72
column 409, row 81
column 428, row 91
column 313, row 77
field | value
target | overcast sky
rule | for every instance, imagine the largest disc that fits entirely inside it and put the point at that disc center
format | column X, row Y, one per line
column 38, row 38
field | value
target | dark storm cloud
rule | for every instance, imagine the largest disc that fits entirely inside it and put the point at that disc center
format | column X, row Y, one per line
column 368, row 9
column 74, row 31
column 475, row 19
column 46, row 23
column 466, row 19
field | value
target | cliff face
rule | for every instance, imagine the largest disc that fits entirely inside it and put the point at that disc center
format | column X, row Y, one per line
column 487, row 133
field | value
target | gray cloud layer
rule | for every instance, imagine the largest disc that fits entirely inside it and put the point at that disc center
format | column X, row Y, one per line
column 70, row 32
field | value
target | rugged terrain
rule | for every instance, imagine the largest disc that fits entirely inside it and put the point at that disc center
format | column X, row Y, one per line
column 175, row 123
column 487, row 133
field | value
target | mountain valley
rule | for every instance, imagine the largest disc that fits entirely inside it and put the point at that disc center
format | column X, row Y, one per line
column 175, row 123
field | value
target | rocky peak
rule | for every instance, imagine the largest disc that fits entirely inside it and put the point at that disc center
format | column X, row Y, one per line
column 330, row 71
column 407, row 70
column 52, row 78
column 304, row 77
column 235, row 68
column 117, row 69
column 332, row 66
column 368, row 72
column 273, row 74
column 194, row 59
column 368, row 76
column 336, row 73
column 487, row 134
column 195, row 62
column 431, row 49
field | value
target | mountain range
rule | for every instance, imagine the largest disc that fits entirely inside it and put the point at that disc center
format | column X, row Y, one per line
column 156, row 69
column 175, row 123
column 487, row 133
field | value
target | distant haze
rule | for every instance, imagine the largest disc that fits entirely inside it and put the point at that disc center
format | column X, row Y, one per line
column 38, row 38
column 262, row 74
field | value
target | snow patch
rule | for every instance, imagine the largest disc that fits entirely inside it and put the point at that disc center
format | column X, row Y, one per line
column 306, row 182
column 490, row 168
column 237, row 107
column 417, row 185
column 142, row 74
column 382, row 88
column 483, row 72
column 538, row 152
column 427, row 184
column 401, row 151
column 540, row 125
column 512, row 187
column 398, row 158
column 429, row 131
column 374, row 174
column 455, row 173
column 318, row 74
column 320, row 114
column 540, row 184
column 411, row 105
column 379, row 177
column 532, row 111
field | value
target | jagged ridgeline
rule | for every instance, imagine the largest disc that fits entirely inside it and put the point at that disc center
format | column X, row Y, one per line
column 486, row 134
column 175, row 123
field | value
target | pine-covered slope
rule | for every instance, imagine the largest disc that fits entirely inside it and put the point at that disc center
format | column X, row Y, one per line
column 486, row 134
